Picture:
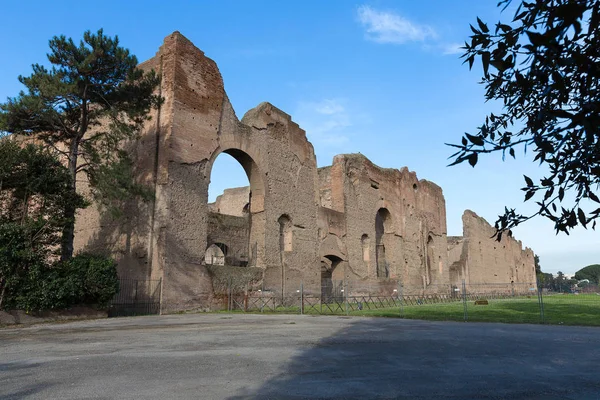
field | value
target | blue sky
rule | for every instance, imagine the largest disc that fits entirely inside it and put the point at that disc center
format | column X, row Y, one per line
column 382, row 78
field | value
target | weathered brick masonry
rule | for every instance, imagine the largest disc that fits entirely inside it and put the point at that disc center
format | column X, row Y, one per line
column 296, row 222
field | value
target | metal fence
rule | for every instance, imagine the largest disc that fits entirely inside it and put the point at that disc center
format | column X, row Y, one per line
column 498, row 302
column 136, row 297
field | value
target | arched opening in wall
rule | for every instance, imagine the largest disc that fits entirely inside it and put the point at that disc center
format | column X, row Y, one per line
column 285, row 234
column 216, row 254
column 285, row 245
column 430, row 259
column 383, row 221
column 365, row 243
column 236, row 196
column 331, row 289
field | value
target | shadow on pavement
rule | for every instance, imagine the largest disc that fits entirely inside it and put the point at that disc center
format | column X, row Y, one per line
column 27, row 379
column 395, row 359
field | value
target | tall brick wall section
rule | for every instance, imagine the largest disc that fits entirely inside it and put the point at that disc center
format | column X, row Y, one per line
column 325, row 187
column 278, row 159
column 484, row 260
column 232, row 232
column 415, row 235
column 233, row 201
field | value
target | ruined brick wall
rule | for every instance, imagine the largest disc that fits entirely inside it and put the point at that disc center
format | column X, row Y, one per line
column 233, row 232
column 483, row 260
column 325, row 187
column 414, row 233
column 275, row 154
column 300, row 221
column 331, row 241
column 233, row 201
column 167, row 238
column 456, row 259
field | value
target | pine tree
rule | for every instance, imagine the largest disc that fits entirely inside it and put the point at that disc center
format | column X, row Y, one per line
column 91, row 99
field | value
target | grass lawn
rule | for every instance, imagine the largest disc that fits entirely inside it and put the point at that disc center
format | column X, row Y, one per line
column 567, row 309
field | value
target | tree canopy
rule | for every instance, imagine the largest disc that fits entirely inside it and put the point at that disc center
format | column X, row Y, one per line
column 34, row 186
column 544, row 66
column 33, row 194
column 91, row 99
column 591, row 272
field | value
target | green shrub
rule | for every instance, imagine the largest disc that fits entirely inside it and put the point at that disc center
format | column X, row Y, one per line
column 47, row 288
column 21, row 255
column 28, row 283
column 97, row 278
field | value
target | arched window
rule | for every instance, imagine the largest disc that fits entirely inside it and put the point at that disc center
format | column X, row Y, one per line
column 430, row 260
column 215, row 254
column 331, row 289
column 383, row 221
column 366, row 247
column 285, row 233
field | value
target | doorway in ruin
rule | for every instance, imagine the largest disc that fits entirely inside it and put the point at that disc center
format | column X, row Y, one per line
column 383, row 221
column 430, row 259
column 216, row 254
column 285, row 245
column 332, row 284
column 236, row 196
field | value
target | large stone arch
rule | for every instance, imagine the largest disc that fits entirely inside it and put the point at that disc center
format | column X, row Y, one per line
column 255, row 246
column 196, row 123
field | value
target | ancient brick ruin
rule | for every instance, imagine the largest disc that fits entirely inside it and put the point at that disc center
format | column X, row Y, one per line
column 295, row 223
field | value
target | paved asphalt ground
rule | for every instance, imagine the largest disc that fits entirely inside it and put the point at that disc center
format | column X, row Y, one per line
column 218, row 356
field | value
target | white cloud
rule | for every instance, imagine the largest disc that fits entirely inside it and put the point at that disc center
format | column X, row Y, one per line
column 329, row 107
column 452, row 48
column 393, row 28
column 325, row 121
column 388, row 27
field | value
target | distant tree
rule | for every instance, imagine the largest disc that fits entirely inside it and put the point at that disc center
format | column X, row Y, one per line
column 560, row 284
column 544, row 66
column 538, row 268
column 546, row 281
column 92, row 99
column 591, row 272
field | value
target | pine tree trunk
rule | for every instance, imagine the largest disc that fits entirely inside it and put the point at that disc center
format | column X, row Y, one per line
column 25, row 209
column 3, row 291
column 68, row 232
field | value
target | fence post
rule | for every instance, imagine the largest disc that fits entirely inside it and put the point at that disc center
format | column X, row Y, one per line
column 401, row 298
column 160, row 293
column 321, row 297
column 262, row 299
column 346, row 295
column 246, row 299
column 229, row 300
column 464, row 295
column 301, row 297
column 541, row 302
